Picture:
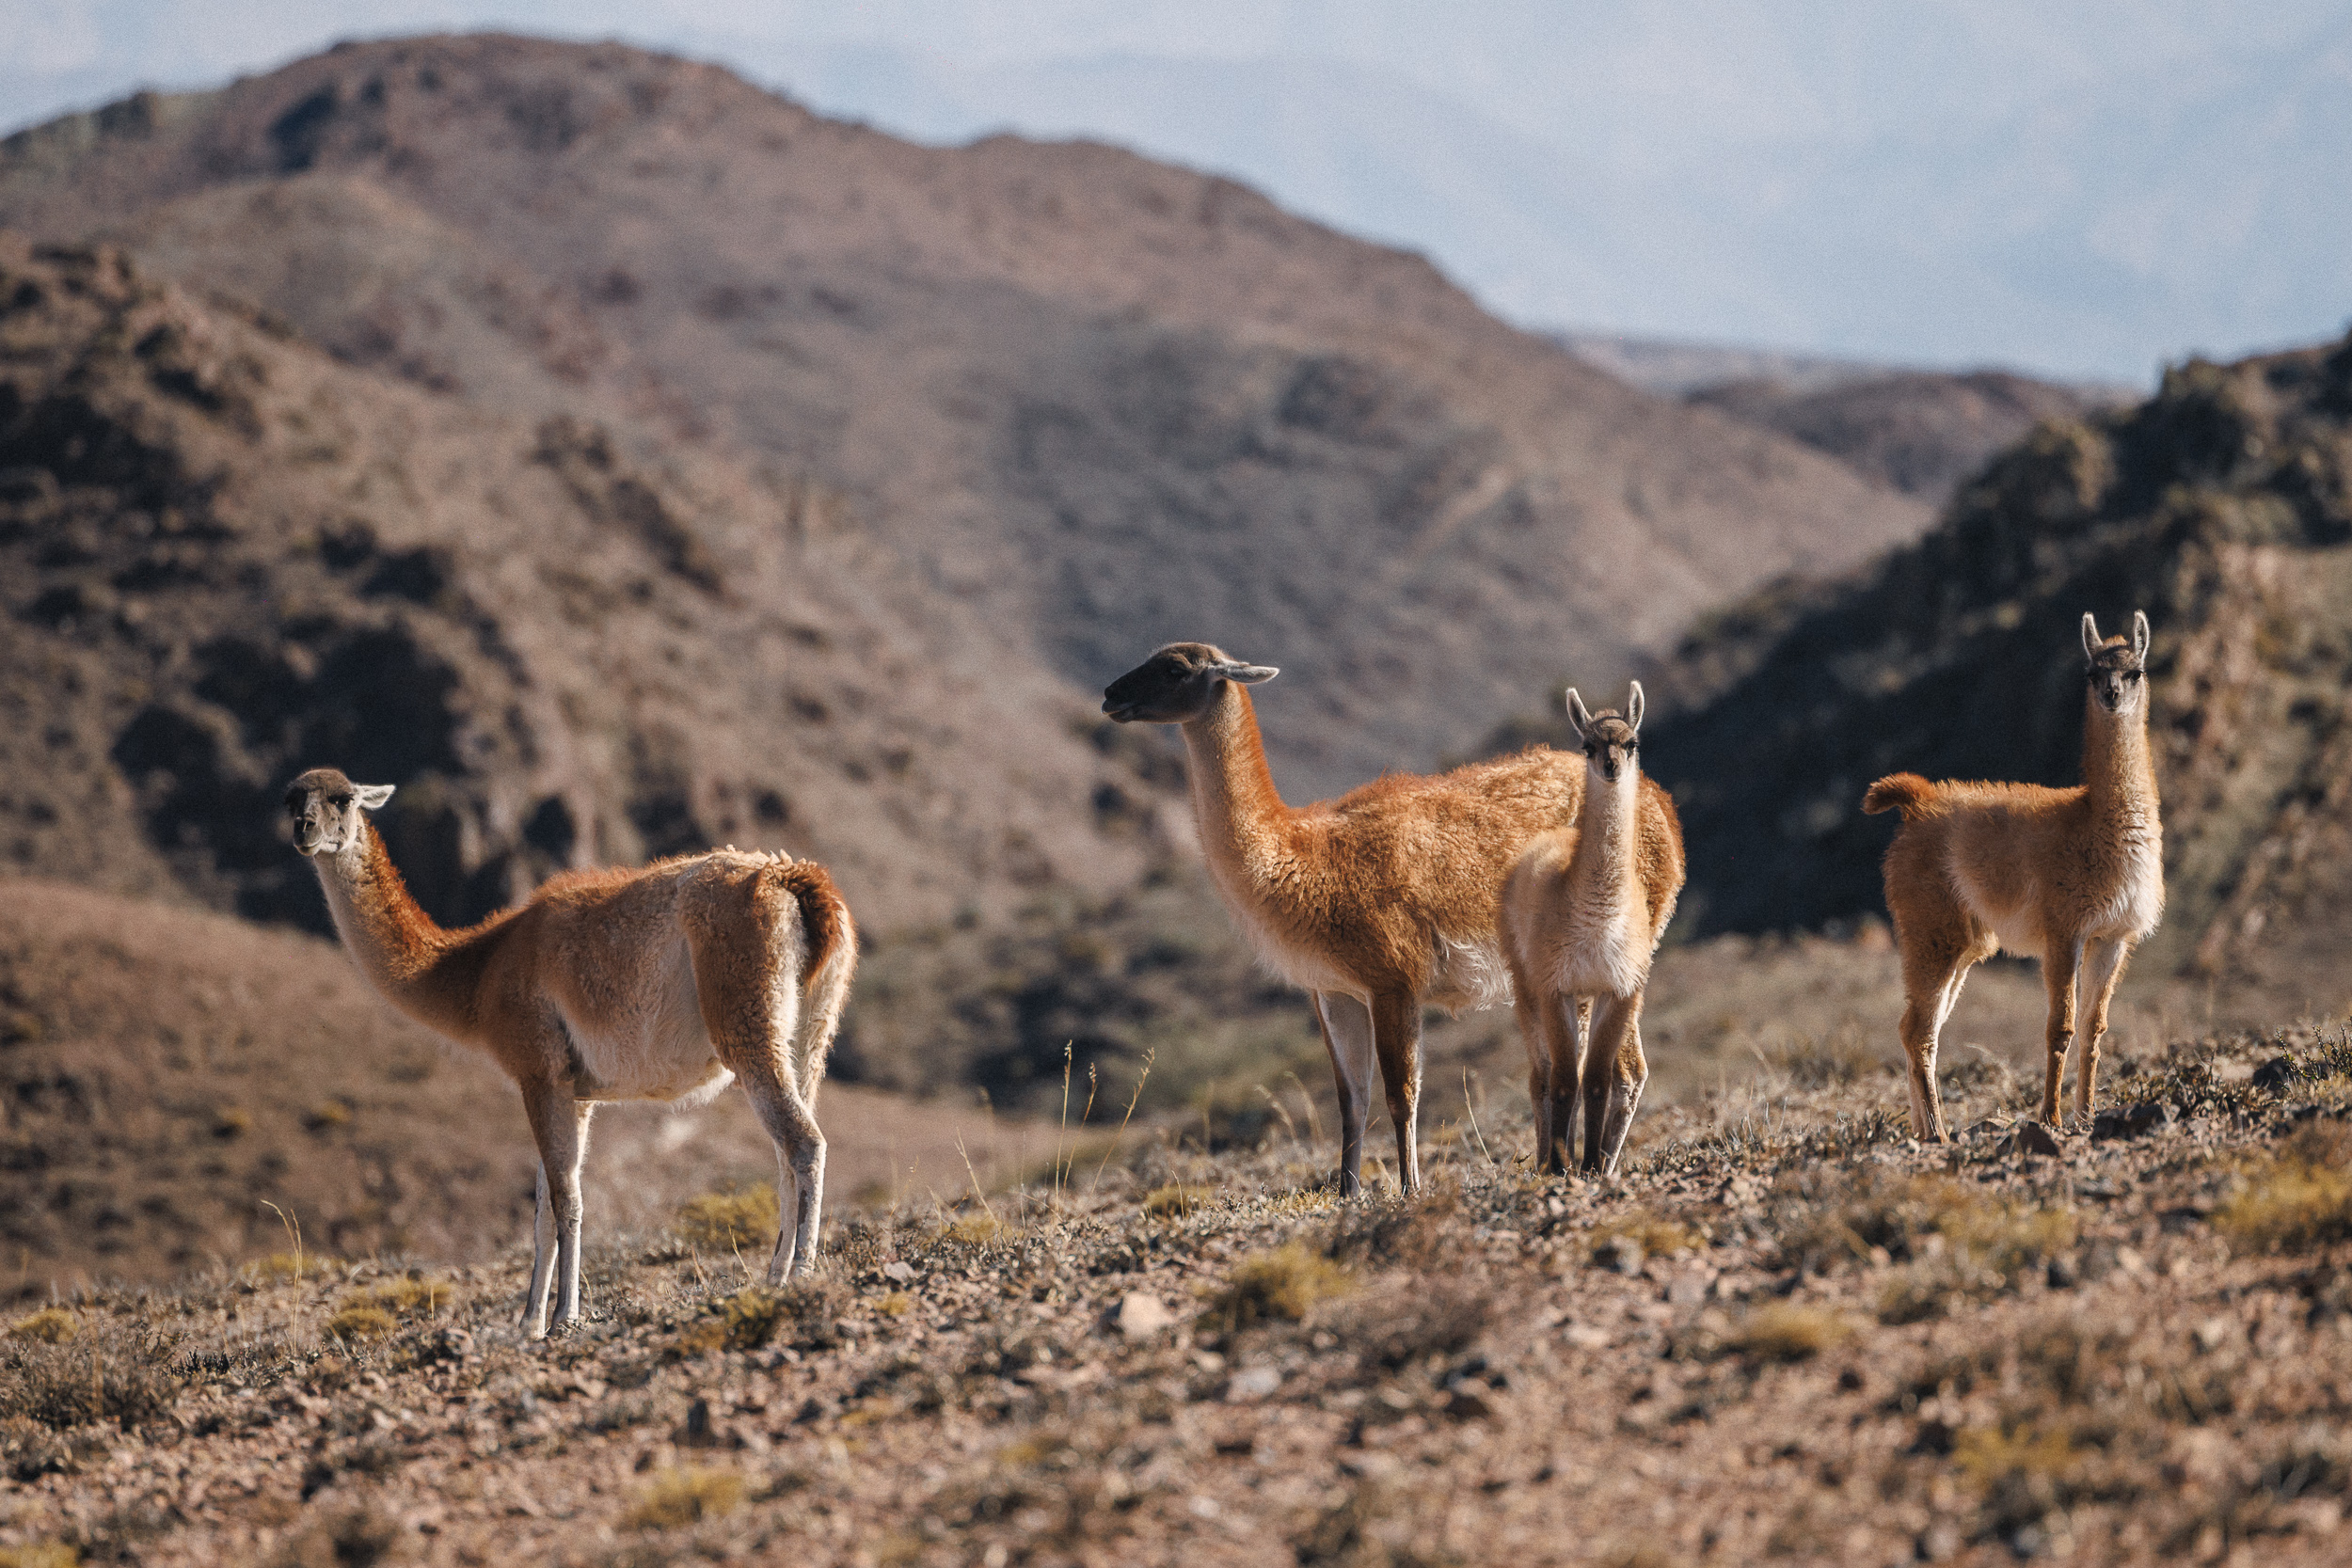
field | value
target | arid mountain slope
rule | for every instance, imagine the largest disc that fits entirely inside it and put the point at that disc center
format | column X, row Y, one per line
column 1923, row 433
column 1100, row 401
column 2223, row 507
column 225, row 556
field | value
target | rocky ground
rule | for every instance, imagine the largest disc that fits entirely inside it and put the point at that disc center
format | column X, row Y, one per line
column 1787, row 1331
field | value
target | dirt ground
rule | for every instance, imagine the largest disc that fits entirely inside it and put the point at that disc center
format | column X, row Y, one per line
column 1787, row 1331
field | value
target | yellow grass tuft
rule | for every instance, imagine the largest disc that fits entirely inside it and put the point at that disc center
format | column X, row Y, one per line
column 684, row 1496
column 1176, row 1199
column 361, row 1321
column 405, row 1298
column 51, row 1325
column 1285, row 1284
column 1656, row 1235
column 40, row 1554
column 975, row 1229
column 730, row 1222
column 2299, row 1199
column 1988, row 1455
column 897, row 1304
column 1787, row 1331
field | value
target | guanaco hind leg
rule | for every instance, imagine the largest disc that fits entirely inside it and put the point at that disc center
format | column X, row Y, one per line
column 1396, row 1040
column 559, row 1125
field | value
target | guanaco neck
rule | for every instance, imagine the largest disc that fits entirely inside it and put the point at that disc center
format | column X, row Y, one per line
column 1602, row 872
column 2117, row 773
column 398, row 946
column 1234, row 798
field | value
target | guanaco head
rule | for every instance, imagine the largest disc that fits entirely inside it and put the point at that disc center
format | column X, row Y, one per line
column 1177, row 683
column 1611, row 740
column 325, row 807
column 2118, row 668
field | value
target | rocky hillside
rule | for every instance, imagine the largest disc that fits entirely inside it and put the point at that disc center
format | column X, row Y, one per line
column 1787, row 1333
column 1923, row 433
column 225, row 556
column 2223, row 507
column 1095, row 401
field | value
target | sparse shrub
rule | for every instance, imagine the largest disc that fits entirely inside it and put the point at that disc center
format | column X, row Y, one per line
column 361, row 1322
column 326, row 1113
column 2022, row 1471
column 1957, row 1242
column 684, row 1496
column 417, row 1297
column 232, row 1121
column 1176, row 1199
column 1656, row 1235
column 347, row 1538
column 740, row 1221
column 1285, row 1284
column 51, row 1325
column 288, row 1265
column 805, row 1315
column 29, row 1450
column 111, row 1371
column 1429, row 1317
column 974, row 1229
column 1787, row 1331
column 897, row 1303
column 2298, row 1199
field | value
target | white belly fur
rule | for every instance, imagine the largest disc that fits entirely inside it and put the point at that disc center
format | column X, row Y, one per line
column 657, row 1049
column 1603, row 955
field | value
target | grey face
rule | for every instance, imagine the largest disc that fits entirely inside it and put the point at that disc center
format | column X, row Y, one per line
column 1176, row 684
column 2117, row 668
column 323, row 807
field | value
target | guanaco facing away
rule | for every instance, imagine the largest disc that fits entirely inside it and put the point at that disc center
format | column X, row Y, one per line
column 2072, row 877
column 1375, row 903
column 654, row 983
column 1582, row 911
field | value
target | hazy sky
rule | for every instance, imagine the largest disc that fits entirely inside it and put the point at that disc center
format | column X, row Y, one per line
column 2085, row 188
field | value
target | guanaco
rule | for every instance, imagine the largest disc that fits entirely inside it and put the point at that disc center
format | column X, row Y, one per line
column 2072, row 877
column 1583, row 912
column 662, row 983
column 1377, row 903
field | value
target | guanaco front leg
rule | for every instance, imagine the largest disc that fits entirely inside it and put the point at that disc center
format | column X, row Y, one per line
column 1347, row 1035
column 2058, row 964
column 2102, row 966
column 1613, row 1064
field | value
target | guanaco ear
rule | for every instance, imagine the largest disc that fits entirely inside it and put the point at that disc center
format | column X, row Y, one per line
column 1633, row 709
column 2140, row 635
column 1579, row 718
column 2090, row 636
column 1245, row 674
column 371, row 796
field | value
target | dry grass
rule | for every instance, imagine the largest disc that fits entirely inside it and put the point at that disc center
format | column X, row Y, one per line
column 2296, row 1200
column 1176, row 1199
column 744, row 1220
column 1787, row 1331
column 51, row 1325
column 40, row 1554
column 1281, row 1284
column 1656, row 1235
column 361, row 1322
column 683, row 1496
